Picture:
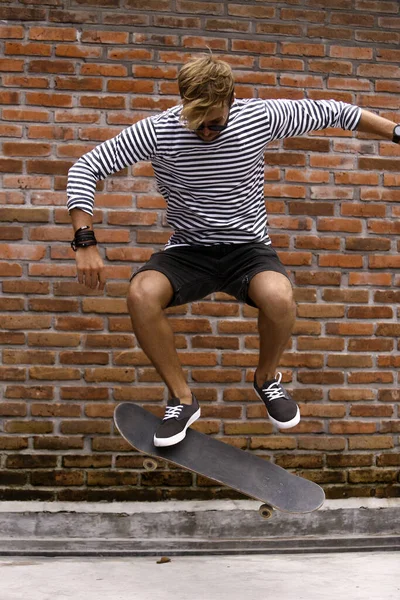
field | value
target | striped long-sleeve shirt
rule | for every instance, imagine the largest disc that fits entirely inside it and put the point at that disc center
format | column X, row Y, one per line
column 214, row 190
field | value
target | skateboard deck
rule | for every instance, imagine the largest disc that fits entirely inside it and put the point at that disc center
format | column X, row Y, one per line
column 242, row 471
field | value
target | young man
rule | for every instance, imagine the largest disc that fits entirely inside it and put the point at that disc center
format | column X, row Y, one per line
column 208, row 158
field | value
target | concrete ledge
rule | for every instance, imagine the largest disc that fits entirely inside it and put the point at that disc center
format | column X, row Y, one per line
column 215, row 527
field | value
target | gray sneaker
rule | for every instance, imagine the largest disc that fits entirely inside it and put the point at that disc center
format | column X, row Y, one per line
column 178, row 417
column 283, row 411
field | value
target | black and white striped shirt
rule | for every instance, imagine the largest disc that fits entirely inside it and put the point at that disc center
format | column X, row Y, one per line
column 214, row 190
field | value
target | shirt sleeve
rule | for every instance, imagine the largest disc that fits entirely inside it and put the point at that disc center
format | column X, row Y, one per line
column 289, row 118
column 138, row 142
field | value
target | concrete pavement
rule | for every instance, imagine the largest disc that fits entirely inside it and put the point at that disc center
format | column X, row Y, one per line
column 283, row 577
column 194, row 527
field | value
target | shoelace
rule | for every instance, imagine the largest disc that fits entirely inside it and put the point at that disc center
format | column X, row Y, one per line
column 274, row 391
column 172, row 411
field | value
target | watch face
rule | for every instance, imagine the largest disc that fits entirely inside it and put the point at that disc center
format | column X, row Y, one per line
column 396, row 131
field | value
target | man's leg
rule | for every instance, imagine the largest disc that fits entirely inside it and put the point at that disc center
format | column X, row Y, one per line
column 272, row 293
column 149, row 294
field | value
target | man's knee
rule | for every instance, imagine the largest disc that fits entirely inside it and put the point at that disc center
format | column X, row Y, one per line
column 279, row 305
column 273, row 295
column 149, row 289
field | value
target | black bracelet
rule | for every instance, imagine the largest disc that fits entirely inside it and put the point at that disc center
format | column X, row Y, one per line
column 75, row 245
column 84, row 228
column 83, row 237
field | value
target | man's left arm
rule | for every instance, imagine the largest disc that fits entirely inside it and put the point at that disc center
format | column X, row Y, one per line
column 291, row 118
column 372, row 123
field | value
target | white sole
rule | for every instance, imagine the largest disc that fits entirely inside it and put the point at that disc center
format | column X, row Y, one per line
column 289, row 424
column 175, row 439
column 292, row 423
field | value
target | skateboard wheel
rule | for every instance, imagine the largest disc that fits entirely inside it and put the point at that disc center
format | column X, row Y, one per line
column 150, row 464
column 266, row 511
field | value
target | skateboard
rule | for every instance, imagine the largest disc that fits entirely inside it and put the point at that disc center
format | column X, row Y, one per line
column 242, row 471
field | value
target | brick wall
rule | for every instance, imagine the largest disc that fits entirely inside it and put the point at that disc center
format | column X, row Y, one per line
column 75, row 73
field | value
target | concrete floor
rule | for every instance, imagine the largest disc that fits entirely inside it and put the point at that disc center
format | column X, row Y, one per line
column 355, row 576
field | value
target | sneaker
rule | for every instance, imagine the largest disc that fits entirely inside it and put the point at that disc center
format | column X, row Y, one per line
column 283, row 411
column 178, row 417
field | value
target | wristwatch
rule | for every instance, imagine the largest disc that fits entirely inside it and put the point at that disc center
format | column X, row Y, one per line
column 396, row 134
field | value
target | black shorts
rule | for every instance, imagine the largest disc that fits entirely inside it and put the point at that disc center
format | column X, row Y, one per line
column 197, row 271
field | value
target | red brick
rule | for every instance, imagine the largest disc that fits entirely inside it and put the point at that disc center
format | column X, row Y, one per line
column 374, row 442
column 77, row 16
column 11, row 114
column 351, row 52
column 281, row 64
column 330, row 33
column 381, row 71
column 368, row 410
column 57, row 478
column 27, row 49
column 321, row 443
column 126, row 19
column 349, row 328
column 255, row 77
column 57, row 373
column 26, row 149
column 216, row 375
column 104, row 37
column 303, row 49
column 109, row 374
column 352, row 19
column 11, row 64
column 64, row 34
column 343, row 261
column 13, row 443
column 84, row 427
column 72, row 51
column 87, row 393
column 370, row 377
column 103, row 102
column 22, row 14
column 155, row 39
column 178, row 22
column 11, row 31
column 103, row 70
column 383, row 262
column 194, row 41
column 223, row 25
column 331, row 66
column 57, row 443
column 55, row 410
column 51, row 66
column 49, row 167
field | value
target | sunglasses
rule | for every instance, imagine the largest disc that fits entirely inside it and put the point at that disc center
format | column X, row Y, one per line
column 214, row 127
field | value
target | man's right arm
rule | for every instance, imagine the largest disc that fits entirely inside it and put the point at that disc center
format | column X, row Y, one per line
column 131, row 145
column 138, row 142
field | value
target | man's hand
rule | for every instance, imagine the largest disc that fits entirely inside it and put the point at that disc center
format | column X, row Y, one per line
column 90, row 267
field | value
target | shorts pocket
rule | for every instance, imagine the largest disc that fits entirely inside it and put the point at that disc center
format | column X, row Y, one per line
column 243, row 290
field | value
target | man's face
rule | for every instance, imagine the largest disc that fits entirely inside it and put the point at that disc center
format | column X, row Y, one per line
column 215, row 116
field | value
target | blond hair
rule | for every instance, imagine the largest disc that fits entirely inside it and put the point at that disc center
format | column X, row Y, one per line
column 204, row 83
